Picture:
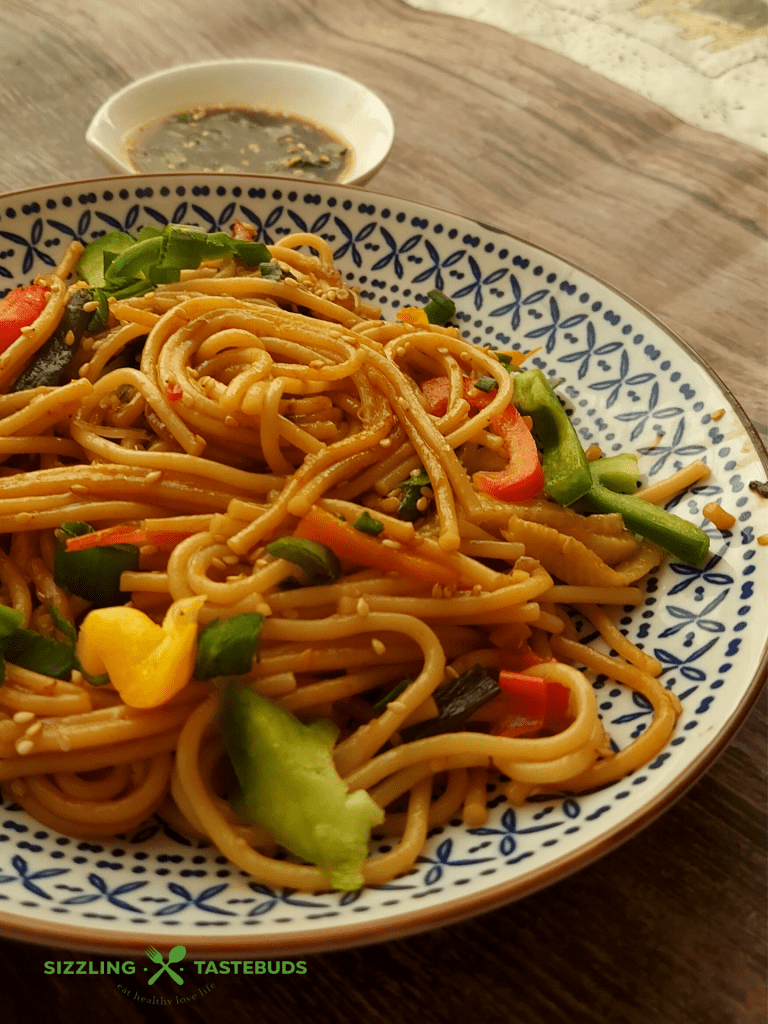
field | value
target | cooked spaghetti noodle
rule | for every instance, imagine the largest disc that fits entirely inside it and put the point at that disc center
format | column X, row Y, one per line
column 254, row 402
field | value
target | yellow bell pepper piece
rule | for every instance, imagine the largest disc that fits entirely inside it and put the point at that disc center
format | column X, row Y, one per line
column 412, row 315
column 147, row 664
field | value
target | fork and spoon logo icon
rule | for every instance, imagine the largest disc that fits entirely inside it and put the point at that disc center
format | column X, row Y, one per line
column 176, row 954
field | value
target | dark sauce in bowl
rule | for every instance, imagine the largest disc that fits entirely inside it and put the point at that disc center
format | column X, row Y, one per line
column 239, row 140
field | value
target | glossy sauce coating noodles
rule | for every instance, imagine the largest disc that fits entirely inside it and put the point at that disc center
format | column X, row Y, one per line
column 254, row 406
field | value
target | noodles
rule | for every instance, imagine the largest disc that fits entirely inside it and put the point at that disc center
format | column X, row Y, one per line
column 232, row 409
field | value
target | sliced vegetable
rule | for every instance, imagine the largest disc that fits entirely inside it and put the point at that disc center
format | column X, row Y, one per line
column 365, row 523
column 289, row 784
column 20, row 308
column 393, row 694
column 56, row 354
column 456, row 702
column 514, row 360
column 39, row 653
column 619, row 473
column 227, row 647
column 318, row 561
column 99, row 254
column 411, row 490
column 89, row 571
column 10, row 620
column 440, row 308
column 271, row 271
column 680, row 538
column 487, row 384
column 147, row 664
column 413, row 315
column 566, row 470
column 352, row 546
column 121, row 266
column 534, row 704
column 163, row 540
column 438, row 311
column 523, row 477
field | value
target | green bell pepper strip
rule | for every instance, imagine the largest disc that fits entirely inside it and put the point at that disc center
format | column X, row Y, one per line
column 680, row 538
column 566, row 470
column 289, row 784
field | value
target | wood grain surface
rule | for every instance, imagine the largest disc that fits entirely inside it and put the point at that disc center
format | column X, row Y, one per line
column 670, row 928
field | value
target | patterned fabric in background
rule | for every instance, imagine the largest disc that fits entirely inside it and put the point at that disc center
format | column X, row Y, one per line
column 706, row 61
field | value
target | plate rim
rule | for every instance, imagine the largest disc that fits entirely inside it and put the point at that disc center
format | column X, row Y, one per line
column 368, row 932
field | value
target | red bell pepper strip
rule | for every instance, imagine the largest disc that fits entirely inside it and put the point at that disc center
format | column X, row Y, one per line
column 173, row 391
column 534, row 704
column 359, row 548
column 523, row 478
column 20, row 308
column 164, row 540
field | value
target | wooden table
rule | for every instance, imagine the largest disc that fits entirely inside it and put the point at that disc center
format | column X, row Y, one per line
column 670, row 928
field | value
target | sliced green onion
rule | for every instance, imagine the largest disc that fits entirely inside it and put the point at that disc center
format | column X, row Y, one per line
column 365, row 523
column 440, row 308
column 93, row 573
column 411, row 488
column 270, row 271
column 227, row 647
column 486, row 384
column 319, row 563
column 393, row 694
column 456, row 701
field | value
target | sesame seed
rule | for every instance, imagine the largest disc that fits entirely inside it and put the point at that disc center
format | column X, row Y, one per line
column 23, row 716
column 154, row 476
column 378, row 646
column 33, row 729
column 24, row 746
column 363, row 607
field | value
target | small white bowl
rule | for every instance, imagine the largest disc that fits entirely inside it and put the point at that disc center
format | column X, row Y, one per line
column 326, row 98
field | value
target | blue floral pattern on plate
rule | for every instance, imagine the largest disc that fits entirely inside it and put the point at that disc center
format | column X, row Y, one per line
column 630, row 386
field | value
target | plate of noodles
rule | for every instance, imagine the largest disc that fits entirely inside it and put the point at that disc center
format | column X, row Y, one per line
column 363, row 567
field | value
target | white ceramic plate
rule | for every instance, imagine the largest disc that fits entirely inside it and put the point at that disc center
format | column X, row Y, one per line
column 324, row 97
column 628, row 381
